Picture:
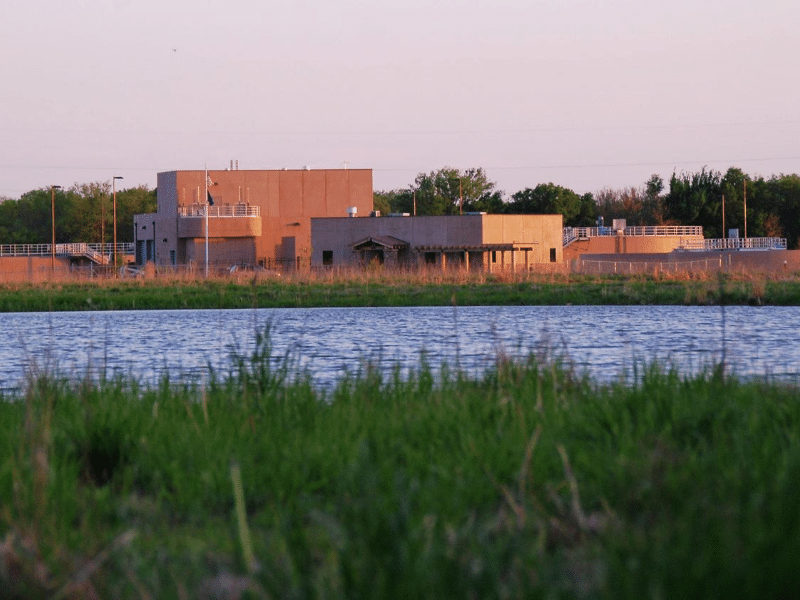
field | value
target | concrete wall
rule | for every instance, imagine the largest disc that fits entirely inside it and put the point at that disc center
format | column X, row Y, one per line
column 220, row 227
column 539, row 232
column 543, row 232
column 33, row 268
column 221, row 251
column 744, row 261
column 632, row 244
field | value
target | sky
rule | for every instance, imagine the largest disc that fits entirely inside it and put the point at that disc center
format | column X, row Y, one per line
column 584, row 94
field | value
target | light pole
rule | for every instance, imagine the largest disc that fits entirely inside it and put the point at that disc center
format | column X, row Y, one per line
column 114, row 188
column 53, row 189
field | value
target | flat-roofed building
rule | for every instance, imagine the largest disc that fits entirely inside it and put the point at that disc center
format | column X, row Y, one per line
column 258, row 217
column 475, row 241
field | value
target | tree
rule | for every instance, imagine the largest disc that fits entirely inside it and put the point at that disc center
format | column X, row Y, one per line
column 638, row 206
column 548, row 198
column 133, row 201
column 785, row 190
column 394, row 201
column 449, row 191
column 696, row 199
column 91, row 212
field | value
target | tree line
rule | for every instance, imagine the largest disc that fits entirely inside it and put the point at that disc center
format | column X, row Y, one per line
column 771, row 205
column 83, row 213
column 755, row 205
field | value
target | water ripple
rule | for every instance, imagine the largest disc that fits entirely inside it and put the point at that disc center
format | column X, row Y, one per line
column 604, row 341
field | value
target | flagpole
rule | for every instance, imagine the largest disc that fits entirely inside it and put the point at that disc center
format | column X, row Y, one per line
column 205, row 198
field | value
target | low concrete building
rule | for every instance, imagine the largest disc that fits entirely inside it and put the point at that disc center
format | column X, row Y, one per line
column 581, row 241
column 474, row 241
column 257, row 217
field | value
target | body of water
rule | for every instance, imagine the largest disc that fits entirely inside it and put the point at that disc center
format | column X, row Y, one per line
column 605, row 341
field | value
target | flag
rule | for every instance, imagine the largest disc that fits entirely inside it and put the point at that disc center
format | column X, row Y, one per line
column 209, row 183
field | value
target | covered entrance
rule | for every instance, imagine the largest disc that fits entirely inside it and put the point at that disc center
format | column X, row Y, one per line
column 381, row 250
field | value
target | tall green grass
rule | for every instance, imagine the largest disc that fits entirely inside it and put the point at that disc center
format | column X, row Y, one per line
column 302, row 290
column 530, row 481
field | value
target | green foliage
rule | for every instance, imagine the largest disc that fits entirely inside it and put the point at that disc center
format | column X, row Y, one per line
column 84, row 213
column 548, row 198
column 638, row 206
column 696, row 199
column 466, row 290
column 530, row 481
column 394, row 201
column 450, row 191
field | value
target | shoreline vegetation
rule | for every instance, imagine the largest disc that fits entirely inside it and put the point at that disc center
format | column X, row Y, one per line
column 379, row 288
column 527, row 482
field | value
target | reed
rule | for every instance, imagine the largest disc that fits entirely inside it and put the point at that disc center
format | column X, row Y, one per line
column 530, row 481
column 398, row 288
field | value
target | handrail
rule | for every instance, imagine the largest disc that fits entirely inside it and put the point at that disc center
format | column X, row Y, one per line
column 649, row 230
column 226, row 210
column 764, row 243
column 66, row 249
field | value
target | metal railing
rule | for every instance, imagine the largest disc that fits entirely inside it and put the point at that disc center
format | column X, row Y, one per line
column 226, row 210
column 764, row 243
column 67, row 249
column 628, row 267
column 570, row 234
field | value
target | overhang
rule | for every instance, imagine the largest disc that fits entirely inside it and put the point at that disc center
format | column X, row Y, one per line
column 377, row 242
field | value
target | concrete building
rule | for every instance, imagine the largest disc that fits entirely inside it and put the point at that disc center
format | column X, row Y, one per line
column 473, row 241
column 257, row 217
column 621, row 239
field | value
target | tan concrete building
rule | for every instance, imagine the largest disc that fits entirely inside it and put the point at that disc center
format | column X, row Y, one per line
column 474, row 241
column 257, row 217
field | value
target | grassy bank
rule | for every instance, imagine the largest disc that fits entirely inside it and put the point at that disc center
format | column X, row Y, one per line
column 388, row 289
column 529, row 482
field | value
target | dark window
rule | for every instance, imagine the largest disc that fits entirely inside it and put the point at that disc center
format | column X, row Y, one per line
column 327, row 257
column 494, row 256
column 430, row 258
column 552, row 255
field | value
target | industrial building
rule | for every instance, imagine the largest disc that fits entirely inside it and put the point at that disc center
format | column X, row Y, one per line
column 255, row 217
column 476, row 241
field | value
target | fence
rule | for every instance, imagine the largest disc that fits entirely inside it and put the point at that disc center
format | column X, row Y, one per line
column 628, row 267
column 765, row 243
column 70, row 249
column 569, row 234
column 225, row 210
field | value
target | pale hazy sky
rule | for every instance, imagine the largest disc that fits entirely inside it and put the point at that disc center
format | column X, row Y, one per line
column 585, row 94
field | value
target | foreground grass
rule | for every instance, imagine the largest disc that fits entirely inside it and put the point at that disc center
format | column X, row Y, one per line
column 306, row 290
column 529, row 482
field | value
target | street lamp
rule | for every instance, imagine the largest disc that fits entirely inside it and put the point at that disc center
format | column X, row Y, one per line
column 114, row 188
column 53, row 189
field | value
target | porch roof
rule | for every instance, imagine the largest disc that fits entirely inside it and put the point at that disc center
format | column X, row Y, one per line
column 380, row 241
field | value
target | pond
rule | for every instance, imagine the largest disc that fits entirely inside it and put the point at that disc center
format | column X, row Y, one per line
column 607, row 342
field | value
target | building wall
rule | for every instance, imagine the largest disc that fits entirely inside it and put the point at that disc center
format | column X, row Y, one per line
column 632, row 244
column 544, row 231
column 540, row 232
column 287, row 199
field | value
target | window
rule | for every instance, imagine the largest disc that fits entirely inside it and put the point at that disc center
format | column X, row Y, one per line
column 430, row 258
column 172, row 258
column 494, row 256
column 327, row 257
column 552, row 255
